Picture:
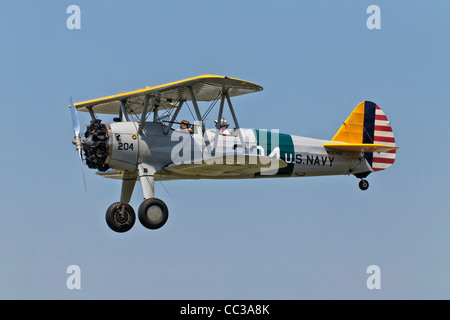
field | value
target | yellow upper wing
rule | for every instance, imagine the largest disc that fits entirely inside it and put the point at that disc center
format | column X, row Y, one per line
column 205, row 88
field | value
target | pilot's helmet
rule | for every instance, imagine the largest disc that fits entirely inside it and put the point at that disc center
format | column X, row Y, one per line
column 223, row 122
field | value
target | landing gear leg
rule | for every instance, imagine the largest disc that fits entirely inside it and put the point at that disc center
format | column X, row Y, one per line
column 363, row 184
column 120, row 216
column 153, row 212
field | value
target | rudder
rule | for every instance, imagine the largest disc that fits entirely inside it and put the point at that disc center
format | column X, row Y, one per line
column 368, row 124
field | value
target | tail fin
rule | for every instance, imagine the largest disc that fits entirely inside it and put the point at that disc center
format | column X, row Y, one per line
column 367, row 124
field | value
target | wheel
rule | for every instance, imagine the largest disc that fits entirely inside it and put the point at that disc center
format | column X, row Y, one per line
column 153, row 213
column 363, row 184
column 120, row 221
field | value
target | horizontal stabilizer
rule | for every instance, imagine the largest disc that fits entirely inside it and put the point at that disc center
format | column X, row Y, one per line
column 360, row 147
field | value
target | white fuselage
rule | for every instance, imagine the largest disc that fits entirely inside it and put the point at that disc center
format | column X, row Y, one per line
column 303, row 156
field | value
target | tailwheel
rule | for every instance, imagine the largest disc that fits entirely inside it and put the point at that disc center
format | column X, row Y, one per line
column 363, row 184
column 119, row 217
column 153, row 213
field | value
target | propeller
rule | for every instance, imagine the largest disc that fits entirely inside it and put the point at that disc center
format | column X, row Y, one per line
column 77, row 137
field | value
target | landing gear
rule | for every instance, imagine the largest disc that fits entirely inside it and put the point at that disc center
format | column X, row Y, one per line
column 153, row 213
column 363, row 184
column 120, row 218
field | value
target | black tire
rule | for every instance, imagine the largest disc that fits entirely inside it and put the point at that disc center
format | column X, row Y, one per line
column 363, row 184
column 117, row 221
column 153, row 213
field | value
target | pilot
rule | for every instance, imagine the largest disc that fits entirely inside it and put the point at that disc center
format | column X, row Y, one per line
column 185, row 126
column 223, row 126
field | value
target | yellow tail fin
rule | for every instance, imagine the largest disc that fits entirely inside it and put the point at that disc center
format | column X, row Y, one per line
column 369, row 131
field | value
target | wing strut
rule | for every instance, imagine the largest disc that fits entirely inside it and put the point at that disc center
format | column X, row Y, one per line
column 235, row 121
column 194, row 102
column 216, row 138
column 123, row 109
column 156, row 103
column 174, row 117
column 197, row 110
column 225, row 95
column 199, row 117
column 91, row 112
column 144, row 114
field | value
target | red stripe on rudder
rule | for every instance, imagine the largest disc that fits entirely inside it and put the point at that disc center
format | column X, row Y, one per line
column 383, row 160
column 383, row 128
column 383, row 139
column 381, row 117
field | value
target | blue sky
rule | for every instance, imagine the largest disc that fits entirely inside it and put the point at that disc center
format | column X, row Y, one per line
column 299, row 238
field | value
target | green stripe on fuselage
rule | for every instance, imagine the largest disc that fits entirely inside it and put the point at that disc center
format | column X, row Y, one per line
column 270, row 140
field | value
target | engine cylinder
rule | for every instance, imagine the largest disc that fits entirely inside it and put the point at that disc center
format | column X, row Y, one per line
column 95, row 145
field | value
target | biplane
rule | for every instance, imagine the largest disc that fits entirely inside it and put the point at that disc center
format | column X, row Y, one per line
column 143, row 143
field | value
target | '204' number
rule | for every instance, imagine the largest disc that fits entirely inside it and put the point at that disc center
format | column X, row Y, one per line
column 125, row 146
